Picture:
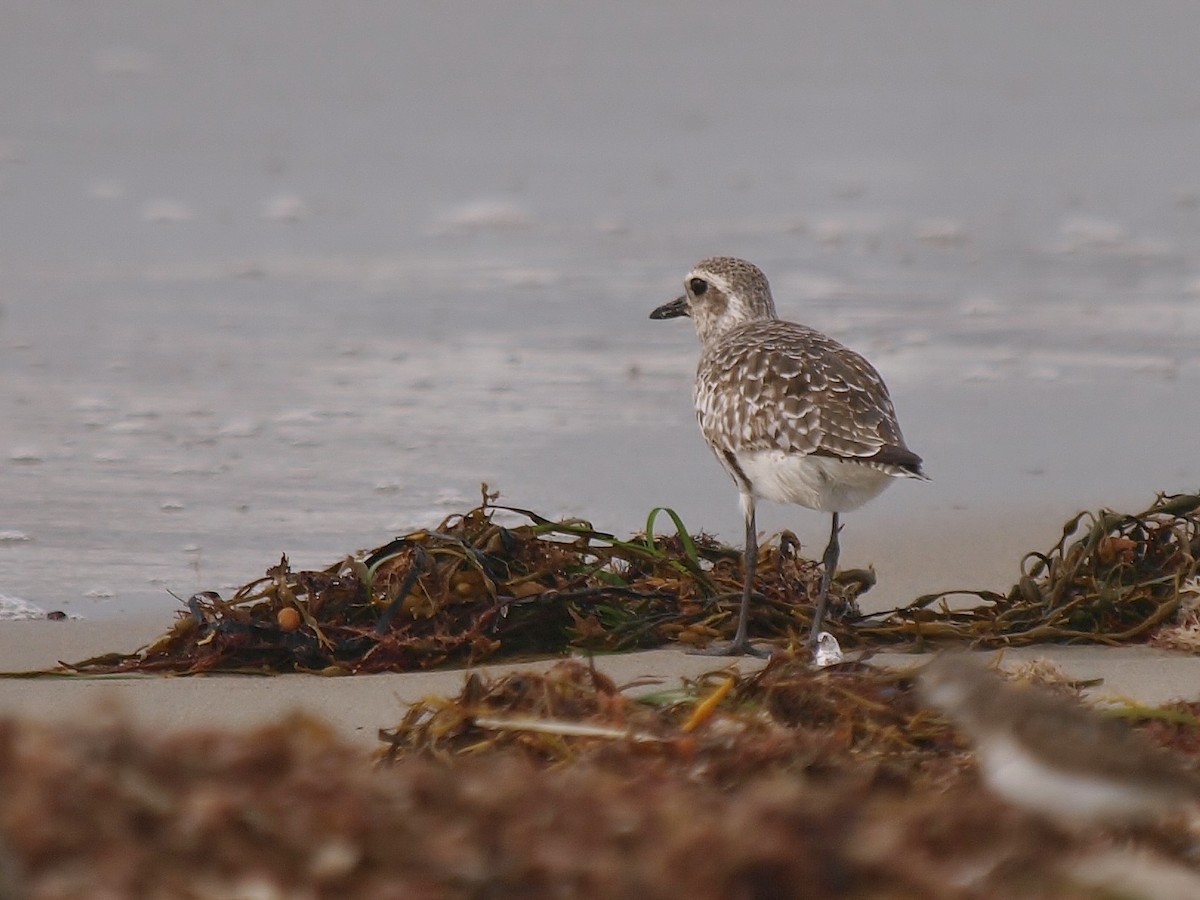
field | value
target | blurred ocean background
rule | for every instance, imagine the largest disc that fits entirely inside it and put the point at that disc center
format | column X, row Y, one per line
column 298, row 276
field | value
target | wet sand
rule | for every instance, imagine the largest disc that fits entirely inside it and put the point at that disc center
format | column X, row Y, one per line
column 360, row 705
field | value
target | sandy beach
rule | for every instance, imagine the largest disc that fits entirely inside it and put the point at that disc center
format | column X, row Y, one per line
column 357, row 707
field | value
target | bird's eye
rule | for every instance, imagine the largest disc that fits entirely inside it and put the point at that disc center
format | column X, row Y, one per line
column 698, row 286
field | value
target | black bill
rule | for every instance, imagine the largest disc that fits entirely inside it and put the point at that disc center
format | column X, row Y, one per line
column 674, row 309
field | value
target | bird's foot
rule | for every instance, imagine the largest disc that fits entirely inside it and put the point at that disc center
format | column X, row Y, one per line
column 733, row 648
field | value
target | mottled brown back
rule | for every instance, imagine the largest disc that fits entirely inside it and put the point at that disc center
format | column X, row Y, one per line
column 771, row 384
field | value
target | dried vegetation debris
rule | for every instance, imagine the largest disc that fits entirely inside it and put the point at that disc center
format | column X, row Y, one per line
column 286, row 811
column 728, row 725
column 785, row 717
column 1184, row 632
column 796, row 783
column 499, row 581
column 890, row 783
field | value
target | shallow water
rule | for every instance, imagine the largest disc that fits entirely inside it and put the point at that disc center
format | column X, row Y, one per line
column 285, row 279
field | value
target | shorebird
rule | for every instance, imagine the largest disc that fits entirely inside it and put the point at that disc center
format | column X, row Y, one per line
column 1048, row 755
column 792, row 415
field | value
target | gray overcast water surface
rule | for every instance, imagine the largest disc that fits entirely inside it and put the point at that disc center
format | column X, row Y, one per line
column 297, row 276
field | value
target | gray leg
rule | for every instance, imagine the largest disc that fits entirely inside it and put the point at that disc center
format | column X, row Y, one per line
column 740, row 646
column 829, row 564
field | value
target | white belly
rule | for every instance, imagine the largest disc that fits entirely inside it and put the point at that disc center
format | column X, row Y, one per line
column 1067, row 797
column 817, row 482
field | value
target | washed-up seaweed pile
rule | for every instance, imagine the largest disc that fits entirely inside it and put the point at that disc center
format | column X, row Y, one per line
column 724, row 727
column 498, row 581
column 288, row 810
column 1111, row 578
column 783, row 783
column 494, row 580
column 729, row 727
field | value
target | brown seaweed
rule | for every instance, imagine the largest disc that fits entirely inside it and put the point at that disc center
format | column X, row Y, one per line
column 1112, row 578
column 785, row 717
column 494, row 580
column 794, row 783
column 288, row 810
column 500, row 581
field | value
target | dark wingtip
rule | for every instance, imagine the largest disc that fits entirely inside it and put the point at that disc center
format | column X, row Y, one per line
column 901, row 458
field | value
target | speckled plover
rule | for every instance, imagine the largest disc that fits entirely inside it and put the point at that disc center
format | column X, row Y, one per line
column 1051, row 756
column 791, row 414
